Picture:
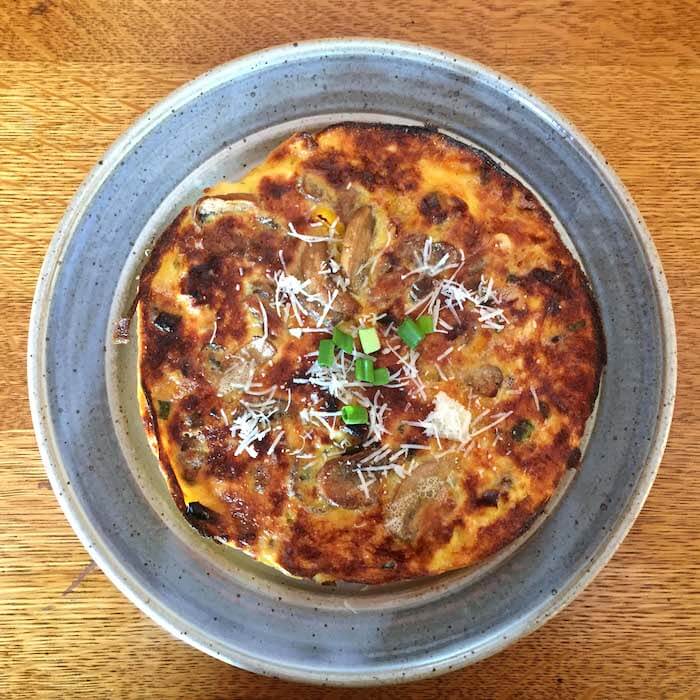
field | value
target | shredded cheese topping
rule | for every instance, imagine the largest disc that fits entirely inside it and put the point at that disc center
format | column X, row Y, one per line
column 449, row 419
column 291, row 231
column 425, row 267
column 291, row 292
column 485, row 300
column 376, row 411
column 254, row 422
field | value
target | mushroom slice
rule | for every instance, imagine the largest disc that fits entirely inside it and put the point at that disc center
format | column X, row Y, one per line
column 338, row 482
column 313, row 186
column 236, row 376
column 356, row 246
column 208, row 207
column 442, row 251
column 416, row 249
column 485, row 380
column 239, row 369
column 310, row 266
column 426, row 485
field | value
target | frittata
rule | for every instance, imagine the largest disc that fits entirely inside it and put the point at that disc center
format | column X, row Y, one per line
column 371, row 359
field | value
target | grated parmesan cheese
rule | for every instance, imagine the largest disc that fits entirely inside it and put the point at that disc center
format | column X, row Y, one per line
column 443, row 355
column 449, row 419
column 275, row 442
column 376, row 411
column 425, row 267
column 254, row 423
column 291, row 231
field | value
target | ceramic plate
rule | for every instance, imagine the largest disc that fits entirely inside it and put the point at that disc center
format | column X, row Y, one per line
column 82, row 387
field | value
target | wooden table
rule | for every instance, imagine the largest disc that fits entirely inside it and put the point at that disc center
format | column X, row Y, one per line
column 74, row 74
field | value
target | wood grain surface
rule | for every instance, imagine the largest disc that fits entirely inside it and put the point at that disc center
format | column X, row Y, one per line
column 74, row 74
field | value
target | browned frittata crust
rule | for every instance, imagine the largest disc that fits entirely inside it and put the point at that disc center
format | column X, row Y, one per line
column 215, row 345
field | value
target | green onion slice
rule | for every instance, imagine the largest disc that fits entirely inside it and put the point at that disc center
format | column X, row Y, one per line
column 381, row 376
column 354, row 415
column 425, row 323
column 343, row 340
column 364, row 369
column 369, row 339
column 326, row 353
column 410, row 333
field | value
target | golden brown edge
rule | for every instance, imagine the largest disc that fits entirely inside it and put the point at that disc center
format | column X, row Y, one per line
column 150, row 423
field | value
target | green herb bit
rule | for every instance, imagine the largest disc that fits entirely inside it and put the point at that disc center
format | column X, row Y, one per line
column 522, row 430
column 425, row 323
column 410, row 333
column 163, row 409
column 343, row 340
column 577, row 326
column 326, row 353
column 354, row 415
column 305, row 474
column 364, row 369
column 369, row 339
column 381, row 376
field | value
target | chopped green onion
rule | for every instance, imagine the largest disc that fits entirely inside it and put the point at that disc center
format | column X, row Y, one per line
column 410, row 333
column 326, row 353
column 425, row 323
column 163, row 409
column 369, row 340
column 343, row 340
column 354, row 415
column 522, row 430
column 381, row 376
column 364, row 369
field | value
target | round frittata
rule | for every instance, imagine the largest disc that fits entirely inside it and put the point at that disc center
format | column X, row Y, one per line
column 371, row 359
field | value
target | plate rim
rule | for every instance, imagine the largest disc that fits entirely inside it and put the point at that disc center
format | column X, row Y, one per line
column 43, row 428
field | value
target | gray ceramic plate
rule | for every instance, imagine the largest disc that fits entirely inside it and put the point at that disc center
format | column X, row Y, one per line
column 82, row 387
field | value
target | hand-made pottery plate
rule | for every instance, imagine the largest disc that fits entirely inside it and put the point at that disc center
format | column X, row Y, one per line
column 83, row 387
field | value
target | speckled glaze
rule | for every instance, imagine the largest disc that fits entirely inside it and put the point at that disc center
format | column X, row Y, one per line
column 82, row 387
